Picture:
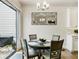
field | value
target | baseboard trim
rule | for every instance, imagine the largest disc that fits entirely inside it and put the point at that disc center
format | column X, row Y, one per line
column 18, row 49
column 63, row 49
column 74, row 52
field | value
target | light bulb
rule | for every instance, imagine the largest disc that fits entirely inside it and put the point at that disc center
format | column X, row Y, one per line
column 44, row 3
column 43, row 6
column 38, row 5
column 47, row 6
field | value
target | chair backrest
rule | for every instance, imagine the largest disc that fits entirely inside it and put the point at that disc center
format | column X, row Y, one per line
column 56, row 37
column 25, row 48
column 56, row 47
column 32, row 37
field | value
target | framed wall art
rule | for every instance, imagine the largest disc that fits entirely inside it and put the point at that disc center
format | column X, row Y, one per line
column 44, row 18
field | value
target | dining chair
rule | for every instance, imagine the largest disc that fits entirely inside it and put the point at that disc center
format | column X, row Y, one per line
column 32, row 37
column 56, row 37
column 29, row 53
column 55, row 50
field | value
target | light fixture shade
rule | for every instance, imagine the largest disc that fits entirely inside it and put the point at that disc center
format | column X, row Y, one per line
column 47, row 6
column 38, row 5
column 42, row 6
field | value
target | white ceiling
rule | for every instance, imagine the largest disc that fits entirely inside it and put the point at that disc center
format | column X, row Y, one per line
column 51, row 2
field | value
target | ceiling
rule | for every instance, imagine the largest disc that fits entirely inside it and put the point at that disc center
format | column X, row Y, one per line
column 51, row 2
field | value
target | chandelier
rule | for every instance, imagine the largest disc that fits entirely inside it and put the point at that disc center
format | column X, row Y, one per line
column 42, row 6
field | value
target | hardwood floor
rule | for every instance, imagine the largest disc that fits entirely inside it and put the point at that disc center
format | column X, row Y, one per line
column 67, row 55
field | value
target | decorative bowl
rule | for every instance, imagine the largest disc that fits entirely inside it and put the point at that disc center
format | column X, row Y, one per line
column 42, row 40
column 76, row 30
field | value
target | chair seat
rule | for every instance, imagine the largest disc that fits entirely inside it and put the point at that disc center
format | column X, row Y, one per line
column 28, row 51
column 33, row 52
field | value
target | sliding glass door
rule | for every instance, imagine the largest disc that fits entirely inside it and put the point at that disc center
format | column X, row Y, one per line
column 8, row 28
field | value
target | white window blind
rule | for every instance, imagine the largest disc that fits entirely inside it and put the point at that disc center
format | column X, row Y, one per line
column 7, row 21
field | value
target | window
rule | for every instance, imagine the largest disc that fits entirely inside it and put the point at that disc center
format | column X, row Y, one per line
column 7, row 28
column 7, row 21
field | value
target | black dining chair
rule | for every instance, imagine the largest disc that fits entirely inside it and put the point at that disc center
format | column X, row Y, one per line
column 32, row 37
column 29, row 53
column 55, row 50
column 56, row 37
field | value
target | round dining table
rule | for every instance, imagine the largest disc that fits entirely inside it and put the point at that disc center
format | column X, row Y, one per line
column 39, row 46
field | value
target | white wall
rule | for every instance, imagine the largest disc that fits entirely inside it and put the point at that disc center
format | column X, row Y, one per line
column 74, row 17
column 72, row 23
column 45, row 31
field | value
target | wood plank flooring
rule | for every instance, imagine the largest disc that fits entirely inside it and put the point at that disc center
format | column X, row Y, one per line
column 65, row 55
column 68, row 55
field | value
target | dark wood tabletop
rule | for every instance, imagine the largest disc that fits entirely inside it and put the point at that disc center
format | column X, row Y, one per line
column 39, row 45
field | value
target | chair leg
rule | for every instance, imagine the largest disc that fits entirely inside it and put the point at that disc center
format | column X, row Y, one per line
column 60, row 56
column 43, row 58
column 38, row 57
column 22, row 55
